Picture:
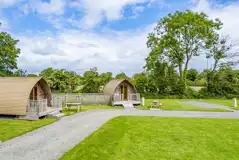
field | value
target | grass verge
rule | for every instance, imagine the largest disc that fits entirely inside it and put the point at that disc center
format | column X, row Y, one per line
column 150, row 138
column 13, row 128
column 176, row 105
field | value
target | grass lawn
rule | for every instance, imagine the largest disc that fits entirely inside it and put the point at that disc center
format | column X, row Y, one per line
column 225, row 102
column 72, row 111
column 151, row 138
column 174, row 104
column 13, row 128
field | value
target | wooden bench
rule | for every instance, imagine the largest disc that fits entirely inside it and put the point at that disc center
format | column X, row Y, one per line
column 76, row 102
column 68, row 104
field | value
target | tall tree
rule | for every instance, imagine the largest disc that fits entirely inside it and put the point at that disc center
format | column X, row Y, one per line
column 140, row 82
column 61, row 79
column 179, row 37
column 192, row 74
column 8, row 54
column 20, row 73
column 91, row 81
column 105, row 78
column 121, row 75
column 222, row 51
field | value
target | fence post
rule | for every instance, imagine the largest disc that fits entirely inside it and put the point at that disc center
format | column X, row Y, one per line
column 38, row 107
column 65, row 100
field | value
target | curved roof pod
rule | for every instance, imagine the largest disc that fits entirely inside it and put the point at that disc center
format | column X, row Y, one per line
column 15, row 92
column 113, row 84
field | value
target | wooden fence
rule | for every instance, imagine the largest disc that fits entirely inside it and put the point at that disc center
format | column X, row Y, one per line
column 85, row 98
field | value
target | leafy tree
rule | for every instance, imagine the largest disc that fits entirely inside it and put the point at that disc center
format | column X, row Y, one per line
column 8, row 54
column 46, row 73
column 192, row 74
column 140, row 82
column 121, row 76
column 91, row 81
column 104, row 78
column 163, row 76
column 223, row 52
column 203, row 74
column 20, row 73
column 61, row 79
column 32, row 75
column 179, row 37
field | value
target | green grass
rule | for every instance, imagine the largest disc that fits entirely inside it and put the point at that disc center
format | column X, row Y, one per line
column 13, row 128
column 72, row 111
column 225, row 102
column 176, row 105
column 151, row 138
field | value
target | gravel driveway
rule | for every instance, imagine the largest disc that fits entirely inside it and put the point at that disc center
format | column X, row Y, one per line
column 52, row 141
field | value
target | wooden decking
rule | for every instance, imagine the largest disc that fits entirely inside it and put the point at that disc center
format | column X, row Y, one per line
column 132, row 98
column 120, row 103
column 39, row 108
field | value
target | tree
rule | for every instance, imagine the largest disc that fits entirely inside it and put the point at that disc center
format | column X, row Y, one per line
column 104, row 78
column 8, row 54
column 140, row 82
column 179, row 37
column 121, row 75
column 61, row 79
column 221, row 51
column 163, row 76
column 91, row 81
column 32, row 75
column 203, row 74
column 20, row 73
column 46, row 73
column 192, row 74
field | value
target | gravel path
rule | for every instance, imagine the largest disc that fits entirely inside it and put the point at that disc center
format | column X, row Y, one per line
column 51, row 141
column 207, row 105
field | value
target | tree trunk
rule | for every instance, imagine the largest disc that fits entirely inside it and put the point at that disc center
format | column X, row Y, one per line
column 181, row 77
column 185, row 73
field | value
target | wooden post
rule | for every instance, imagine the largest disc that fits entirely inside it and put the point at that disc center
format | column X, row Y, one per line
column 142, row 101
column 37, row 107
column 65, row 99
column 235, row 102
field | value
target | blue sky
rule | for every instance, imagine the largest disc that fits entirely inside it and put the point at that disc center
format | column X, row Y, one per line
column 109, row 34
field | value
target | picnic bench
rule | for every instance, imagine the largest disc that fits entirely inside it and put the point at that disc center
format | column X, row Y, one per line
column 155, row 104
column 75, row 101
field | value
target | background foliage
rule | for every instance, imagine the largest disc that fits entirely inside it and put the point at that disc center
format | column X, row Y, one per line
column 177, row 39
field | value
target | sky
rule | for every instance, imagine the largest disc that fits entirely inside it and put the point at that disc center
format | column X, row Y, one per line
column 108, row 34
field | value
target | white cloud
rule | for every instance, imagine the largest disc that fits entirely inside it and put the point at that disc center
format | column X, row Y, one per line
column 55, row 7
column 24, row 8
column 4, row 25
column 227, row 14
column 96, row 11
column 78, row 50
column 7, row 3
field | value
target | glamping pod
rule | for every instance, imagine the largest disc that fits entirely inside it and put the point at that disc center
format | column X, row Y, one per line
column 122, row 91
column 25, row 96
